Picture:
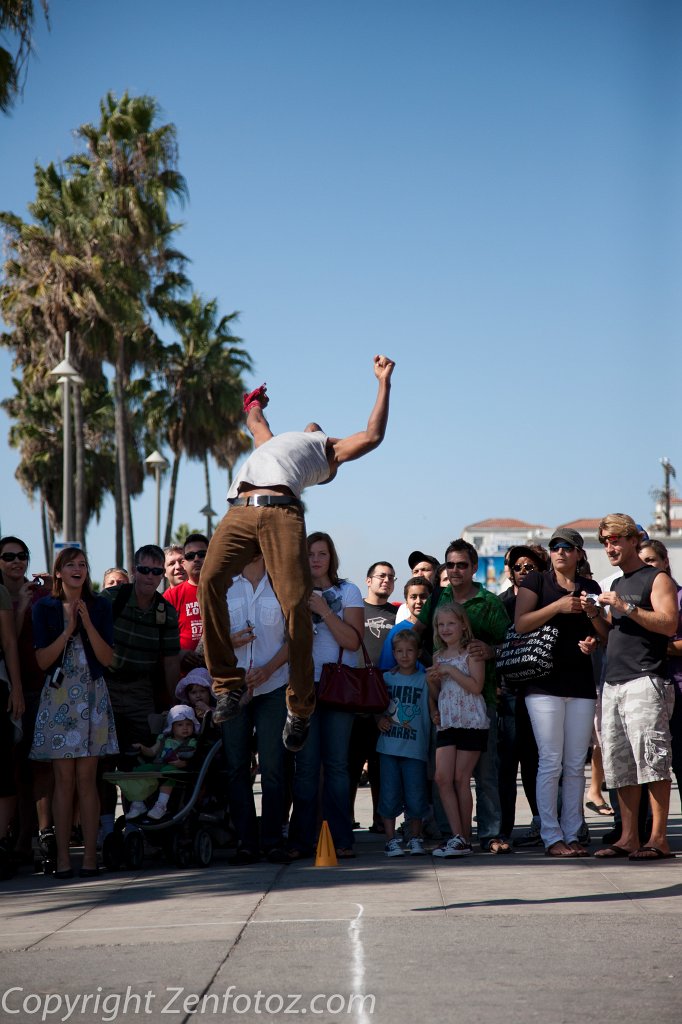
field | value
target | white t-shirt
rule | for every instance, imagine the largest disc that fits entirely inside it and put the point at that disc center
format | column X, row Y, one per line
column 261, row 608
column 325, row 647
column 297, row 459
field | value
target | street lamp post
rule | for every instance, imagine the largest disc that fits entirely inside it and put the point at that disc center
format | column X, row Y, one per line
column 157, row 463
column 210, row 516
column 66, row 374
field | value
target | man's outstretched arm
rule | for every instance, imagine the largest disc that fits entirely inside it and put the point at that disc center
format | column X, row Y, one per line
column 356, row 445
column 256, row 423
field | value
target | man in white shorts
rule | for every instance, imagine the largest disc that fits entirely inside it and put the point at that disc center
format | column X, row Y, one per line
column 637, row 699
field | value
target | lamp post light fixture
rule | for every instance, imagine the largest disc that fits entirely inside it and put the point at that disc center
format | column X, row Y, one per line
column 157, row 464
column 210, row 516
column 66, row 375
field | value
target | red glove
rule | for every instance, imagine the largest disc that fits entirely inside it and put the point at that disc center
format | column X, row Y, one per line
column 256, row 397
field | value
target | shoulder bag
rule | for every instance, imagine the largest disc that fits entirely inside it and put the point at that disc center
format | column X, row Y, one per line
column 527, row 657
column 353, row 688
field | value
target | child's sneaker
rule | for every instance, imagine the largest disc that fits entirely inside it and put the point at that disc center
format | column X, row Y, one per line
column 456, row 846
column 416, row 846
column 393, row 848
column 158, row 811
column 137, row 809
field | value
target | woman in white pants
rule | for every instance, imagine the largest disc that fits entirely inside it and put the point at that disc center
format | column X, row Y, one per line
column 561, row 705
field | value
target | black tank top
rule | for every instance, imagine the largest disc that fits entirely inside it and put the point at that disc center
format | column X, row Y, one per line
column 634, row 651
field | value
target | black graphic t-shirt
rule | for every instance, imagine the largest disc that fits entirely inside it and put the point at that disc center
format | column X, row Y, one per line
column 379, row 621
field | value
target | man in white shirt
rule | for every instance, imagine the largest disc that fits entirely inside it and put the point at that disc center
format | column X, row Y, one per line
column 259, row 641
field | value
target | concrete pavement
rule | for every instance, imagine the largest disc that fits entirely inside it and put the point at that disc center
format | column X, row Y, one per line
column 518, row 938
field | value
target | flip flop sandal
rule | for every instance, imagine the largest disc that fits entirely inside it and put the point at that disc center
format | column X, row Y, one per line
column 651, row 853
column 612, row 853
column 256, row 397
column 603, row 809
column 551, row 851
column 498, row 846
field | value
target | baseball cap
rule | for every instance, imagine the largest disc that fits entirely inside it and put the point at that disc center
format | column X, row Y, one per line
column 569, row 535
column 418, row 556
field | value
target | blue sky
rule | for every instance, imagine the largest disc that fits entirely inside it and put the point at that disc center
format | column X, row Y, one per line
column 488, row 192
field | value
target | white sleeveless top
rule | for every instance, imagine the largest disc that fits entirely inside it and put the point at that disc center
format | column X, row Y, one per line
column 459, row 709
column 295, row 460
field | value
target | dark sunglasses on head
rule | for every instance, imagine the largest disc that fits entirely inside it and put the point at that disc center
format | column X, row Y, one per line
column 456, row 565
column 524, row 567
column 10, row 556
column 561, row 545
column 191, row 555
column 145, row 570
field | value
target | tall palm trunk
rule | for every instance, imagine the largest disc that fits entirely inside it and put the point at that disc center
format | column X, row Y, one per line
column 81, row 515
column 171, row 498
column 118, row 529
column 120, row 384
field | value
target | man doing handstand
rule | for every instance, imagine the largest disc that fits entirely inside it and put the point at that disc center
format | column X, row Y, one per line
column 266, row 516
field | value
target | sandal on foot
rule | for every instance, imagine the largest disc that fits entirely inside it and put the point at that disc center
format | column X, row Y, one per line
column 612, row 852
column 645, row 853
column 602, row 808
column 553, row 850
column 578, row 848
column 499, row 846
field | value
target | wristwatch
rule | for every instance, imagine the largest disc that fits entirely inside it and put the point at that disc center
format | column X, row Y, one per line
column 629, row 608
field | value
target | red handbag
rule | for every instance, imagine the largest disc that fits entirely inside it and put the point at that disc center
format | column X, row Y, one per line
column 359, row 689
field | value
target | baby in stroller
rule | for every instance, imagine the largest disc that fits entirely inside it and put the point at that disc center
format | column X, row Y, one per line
column 173, row 751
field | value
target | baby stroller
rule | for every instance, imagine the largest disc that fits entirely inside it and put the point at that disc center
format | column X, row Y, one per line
column 189, row 832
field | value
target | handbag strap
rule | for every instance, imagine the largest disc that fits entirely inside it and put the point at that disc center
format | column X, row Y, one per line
column 368, row 661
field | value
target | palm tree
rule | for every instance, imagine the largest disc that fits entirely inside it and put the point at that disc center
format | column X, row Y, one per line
column 131, row 163
column 200, row 386
column 16, row 17
column 49, row 288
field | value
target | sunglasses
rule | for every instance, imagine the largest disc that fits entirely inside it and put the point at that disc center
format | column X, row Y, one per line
column 610, row 540
column 524, row 567
column 146, row 570
column 10, row 556
column 456, row 565
column 561, row 545
column 191, row 555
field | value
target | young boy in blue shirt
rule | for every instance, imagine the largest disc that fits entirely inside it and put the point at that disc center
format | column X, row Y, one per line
column 403, row 746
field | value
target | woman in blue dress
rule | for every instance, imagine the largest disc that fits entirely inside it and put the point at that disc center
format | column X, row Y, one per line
column 73, row 635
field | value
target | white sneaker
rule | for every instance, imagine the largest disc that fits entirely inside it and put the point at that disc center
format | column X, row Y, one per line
column 393, row 848
column 416, row 846
column 158, row 811
column 137, row 809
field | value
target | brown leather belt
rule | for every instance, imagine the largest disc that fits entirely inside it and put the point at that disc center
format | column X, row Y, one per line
column 265, row 499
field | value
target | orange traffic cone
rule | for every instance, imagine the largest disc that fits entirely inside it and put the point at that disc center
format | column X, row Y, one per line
column 326, row 854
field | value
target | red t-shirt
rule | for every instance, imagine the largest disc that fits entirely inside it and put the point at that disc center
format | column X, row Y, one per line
column 185, row 601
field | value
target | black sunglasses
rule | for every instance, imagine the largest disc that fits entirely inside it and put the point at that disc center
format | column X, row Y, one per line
column 523, row 567
column 191, row 555
column 562, row 545
column 10, row 556
column 457, row 565
column 145, row 570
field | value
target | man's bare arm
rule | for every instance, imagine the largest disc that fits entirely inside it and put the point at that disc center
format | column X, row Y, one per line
column 346, row 449
column 259, row 428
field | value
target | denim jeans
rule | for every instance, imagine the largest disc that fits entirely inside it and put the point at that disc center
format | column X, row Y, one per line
column 488, row 810
column 563, row 730
column 326, row 747
column 267, row 715
column 278, row 531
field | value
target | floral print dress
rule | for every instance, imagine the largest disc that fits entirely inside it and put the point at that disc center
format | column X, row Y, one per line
column 75, row 719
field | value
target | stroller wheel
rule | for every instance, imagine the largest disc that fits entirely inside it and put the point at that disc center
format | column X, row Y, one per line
column 112, row 850
column 47, row 846
column 202, row 847
column 182, row 852
column 133, row 850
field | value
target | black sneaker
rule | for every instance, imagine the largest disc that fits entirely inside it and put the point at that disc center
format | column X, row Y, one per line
column 295, row 732
column 228, row 705
column 277, row 855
